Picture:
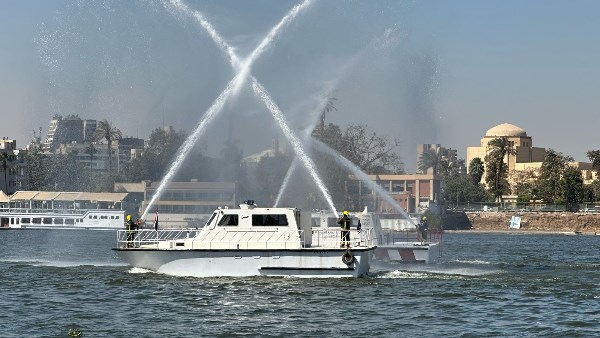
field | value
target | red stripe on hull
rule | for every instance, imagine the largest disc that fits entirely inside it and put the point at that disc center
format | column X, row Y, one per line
column 407, row 255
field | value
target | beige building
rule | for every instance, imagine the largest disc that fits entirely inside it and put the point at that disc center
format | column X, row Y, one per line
column 527, row 157
column 523, row 144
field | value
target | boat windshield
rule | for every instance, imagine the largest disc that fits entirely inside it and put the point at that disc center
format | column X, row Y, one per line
column 211, row 218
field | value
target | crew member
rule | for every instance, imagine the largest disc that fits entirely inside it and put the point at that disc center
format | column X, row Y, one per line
column 344, row 223
column 131, row 231
column 423, row 228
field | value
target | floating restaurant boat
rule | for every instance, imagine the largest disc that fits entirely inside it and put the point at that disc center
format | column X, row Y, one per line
column 250, row 241
column 62, row 210
column 396, row 239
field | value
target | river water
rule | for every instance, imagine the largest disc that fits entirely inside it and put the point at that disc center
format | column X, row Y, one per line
column 485, row 285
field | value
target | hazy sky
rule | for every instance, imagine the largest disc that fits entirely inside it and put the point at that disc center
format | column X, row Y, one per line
column 417, row 71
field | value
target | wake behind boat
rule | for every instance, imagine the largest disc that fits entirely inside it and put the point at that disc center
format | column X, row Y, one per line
column 250, row 241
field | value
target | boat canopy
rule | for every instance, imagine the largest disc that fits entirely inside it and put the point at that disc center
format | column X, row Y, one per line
column 114, row 197
column 3, row 197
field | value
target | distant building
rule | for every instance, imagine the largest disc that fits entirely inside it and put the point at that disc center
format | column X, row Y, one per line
column 68, row 130
column 527, row 157
column 71, row 133
column 183, row 204
column 13, row 167
column 414, row 192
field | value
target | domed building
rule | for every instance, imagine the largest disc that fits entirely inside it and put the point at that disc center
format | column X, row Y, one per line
column 523, row 144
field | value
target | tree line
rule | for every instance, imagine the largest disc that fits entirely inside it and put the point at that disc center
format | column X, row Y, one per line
column 556, row 181
column 370, row 152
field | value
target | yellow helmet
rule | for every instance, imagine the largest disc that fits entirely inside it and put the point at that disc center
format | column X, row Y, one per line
column 129, row 217
column 424, row 217
column 345, row 212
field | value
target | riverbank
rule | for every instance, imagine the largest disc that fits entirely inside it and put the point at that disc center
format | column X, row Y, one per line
column 531, row 222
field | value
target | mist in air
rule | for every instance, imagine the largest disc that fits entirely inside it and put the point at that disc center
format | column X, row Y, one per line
column 142, row 66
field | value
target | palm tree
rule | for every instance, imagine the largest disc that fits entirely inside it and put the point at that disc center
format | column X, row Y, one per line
column 105, row 131
column 329, row 106
column 476, row 170
column 91, row 150
column 432, row 158
column 4, row 157
column 499, row 148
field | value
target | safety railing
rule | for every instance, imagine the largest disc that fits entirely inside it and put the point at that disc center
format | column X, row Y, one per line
column 389, row 237
column 332, row 238
column 211, row 239
column 241, row 239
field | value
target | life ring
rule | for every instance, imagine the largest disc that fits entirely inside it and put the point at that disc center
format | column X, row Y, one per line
column 347, row 257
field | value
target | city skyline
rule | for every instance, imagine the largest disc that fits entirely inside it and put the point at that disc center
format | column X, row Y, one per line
column 427, row 72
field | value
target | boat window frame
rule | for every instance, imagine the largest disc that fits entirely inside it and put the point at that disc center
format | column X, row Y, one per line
column 212, row 217
column 230, row 219
column 267, row 220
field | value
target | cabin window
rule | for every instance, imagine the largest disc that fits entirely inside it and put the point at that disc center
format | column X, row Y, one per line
column 332, row 222
column 95, row 217
column 268, row 220
column 12, row 220
column 18, row 220
column 69, row 221
column 116, row 217
column 229, row 220
column 112, row 217
column 315, row 222
column 58, row 221
column 211, row 218
column 90, row 216
column 47, row 220
column 37, row 221
column 25, row 220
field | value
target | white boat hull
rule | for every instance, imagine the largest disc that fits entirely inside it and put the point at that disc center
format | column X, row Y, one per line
column 77, row 219
column 407, row 252
column 304, row 262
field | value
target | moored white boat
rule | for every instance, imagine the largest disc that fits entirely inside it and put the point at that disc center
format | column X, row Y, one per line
column 62, row 210
column 249, row 241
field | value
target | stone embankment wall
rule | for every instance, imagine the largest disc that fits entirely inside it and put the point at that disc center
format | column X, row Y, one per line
column 530, row 221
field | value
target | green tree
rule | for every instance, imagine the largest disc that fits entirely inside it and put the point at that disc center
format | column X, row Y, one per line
column 329, row 107
column 476, row 170
column 594, row 156
column 5, row 159
column 524, row 184
column 374, row 154
column 572, row 183
column 38, row 177
column 460, row 189
column 270, row 172
column 549, row 182
column 91, row 150
column 497, row 171
column 106, row 131
column 432, row 158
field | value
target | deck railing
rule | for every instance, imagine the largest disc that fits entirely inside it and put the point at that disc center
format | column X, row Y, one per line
column 241, row 239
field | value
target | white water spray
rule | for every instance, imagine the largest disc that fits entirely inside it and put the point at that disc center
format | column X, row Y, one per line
column 388, row 38
column 232, row 89
column 294, row 141
column 191, row 140
column 320, row 146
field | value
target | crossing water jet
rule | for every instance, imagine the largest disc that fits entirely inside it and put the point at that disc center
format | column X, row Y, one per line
column 232, row 89
column 320, row 146
column 382, row 41
column 261, row 92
